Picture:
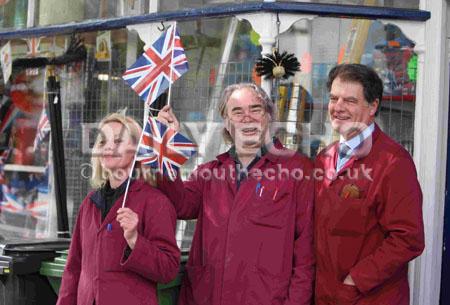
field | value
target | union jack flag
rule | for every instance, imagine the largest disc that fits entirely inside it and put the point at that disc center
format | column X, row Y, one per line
column 33, row 46
column 3, row 157
column 163, row 148
column 43, row 128
column 10, row 201
column 38, row 209
column 160, row 65
column 8, row 119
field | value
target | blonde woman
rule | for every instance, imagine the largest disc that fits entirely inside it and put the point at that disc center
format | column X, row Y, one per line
column 117, row 255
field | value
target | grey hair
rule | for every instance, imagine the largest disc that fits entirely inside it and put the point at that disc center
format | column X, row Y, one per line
column 259, row 93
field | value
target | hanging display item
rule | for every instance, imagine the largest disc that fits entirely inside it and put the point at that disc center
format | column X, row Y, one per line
column 75, row 52
column 277, row 65
column 33, row 46
column 103, row 46
column 5, row 60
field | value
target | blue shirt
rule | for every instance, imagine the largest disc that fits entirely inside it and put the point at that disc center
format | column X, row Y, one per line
column 352, row 144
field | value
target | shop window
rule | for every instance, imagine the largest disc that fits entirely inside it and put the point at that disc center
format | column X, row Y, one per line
column 25, row 196
column 220, row 52
column 409, row 4
column 179, row 4
column 385, row 48
column 14, row 14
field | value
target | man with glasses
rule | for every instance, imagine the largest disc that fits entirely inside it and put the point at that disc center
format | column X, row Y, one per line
column 368, row 213
column 253, row 204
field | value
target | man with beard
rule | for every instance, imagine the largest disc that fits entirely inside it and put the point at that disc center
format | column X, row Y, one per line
column 368, row 215
column 253, row 239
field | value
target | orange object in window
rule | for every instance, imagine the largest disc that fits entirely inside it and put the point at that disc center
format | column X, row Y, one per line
column 256, row 78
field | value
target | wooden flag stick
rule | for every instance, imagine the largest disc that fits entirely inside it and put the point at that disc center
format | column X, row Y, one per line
column 133, row 164
column 171, row 61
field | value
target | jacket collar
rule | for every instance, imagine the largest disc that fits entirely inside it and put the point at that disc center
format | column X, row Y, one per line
column 270, row 152
column 364, row 148
column 354, row 142
column 360, row 152
column 97, row 198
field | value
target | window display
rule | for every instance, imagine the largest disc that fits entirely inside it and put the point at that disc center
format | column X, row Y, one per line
column 220, row 52
column 25, row 197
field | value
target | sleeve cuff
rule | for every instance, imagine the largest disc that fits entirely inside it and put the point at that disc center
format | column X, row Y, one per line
column 126, row 252
column 357, row 280
column 129, row 254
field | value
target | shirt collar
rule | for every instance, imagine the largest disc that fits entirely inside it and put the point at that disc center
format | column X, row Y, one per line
column 359, row 138
column 97, row 197
column 259, row 154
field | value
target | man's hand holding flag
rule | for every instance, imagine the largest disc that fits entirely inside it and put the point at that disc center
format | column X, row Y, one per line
column 160, row 146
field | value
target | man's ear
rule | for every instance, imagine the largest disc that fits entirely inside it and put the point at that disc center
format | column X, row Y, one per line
column 374, row 107
column 227, row 124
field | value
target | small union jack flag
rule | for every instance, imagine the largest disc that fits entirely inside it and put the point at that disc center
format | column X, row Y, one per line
column 164, row 148
column 3, row 157
column 43, row 128
column 33, row 46
column 160, row 65
column 8, row 119
column 10, row 201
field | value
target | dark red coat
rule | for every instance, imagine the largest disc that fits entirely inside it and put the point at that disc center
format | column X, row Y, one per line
column 250, row 247
column 372, row 237
column 96, row 267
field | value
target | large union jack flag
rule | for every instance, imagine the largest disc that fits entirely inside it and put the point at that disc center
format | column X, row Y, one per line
column 163, row 148
column 160, row 65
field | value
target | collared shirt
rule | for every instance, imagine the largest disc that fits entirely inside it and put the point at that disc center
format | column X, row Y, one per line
column 241, row 171
column 351, row 145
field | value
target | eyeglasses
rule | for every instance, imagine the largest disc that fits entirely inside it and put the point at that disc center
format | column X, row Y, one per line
column 256, row 112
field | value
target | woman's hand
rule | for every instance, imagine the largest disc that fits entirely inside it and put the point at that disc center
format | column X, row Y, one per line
column 167, row 117
column 128, row 220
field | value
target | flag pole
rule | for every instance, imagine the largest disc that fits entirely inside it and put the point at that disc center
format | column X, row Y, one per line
column 171, row 61
column 134, row 163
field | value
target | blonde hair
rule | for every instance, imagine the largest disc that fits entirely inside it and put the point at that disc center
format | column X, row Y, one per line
column 99, row 175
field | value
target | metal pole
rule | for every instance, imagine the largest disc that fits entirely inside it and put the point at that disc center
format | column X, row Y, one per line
column 54, row 103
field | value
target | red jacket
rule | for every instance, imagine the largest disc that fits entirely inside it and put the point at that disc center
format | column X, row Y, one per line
column 252, row 245
column 96, row 266
column 371, row 237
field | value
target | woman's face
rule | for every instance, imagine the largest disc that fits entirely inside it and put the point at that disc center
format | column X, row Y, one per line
column 116, row 149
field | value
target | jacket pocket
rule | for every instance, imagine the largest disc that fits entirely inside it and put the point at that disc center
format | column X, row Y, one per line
column 347, row 295
column 269, row 288
column 200, row 283
column 112, row 246
column 271, row 213
column 349, row 217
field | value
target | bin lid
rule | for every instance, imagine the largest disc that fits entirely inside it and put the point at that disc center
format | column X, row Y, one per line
column 25, row 256
column 8, row 247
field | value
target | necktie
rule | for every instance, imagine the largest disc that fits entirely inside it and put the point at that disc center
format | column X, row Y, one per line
column 344, row 151
column 344, row 155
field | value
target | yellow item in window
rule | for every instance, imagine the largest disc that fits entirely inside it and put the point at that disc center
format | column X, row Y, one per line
column 103, row 52
column 356, row 40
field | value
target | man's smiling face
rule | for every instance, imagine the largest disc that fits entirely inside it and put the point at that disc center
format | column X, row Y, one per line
column 348, row 109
